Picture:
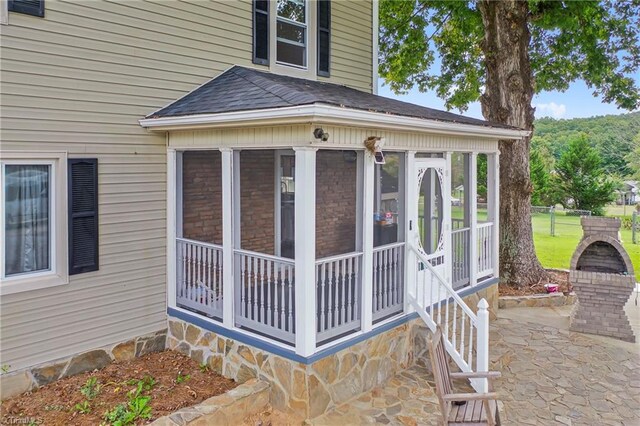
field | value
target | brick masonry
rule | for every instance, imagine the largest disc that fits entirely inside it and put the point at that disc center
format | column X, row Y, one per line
column 335, row 203
column 202, row 196
column 202, row 200
column 603, row 278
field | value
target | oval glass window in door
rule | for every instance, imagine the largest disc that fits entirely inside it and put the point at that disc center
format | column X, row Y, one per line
column 430, row 213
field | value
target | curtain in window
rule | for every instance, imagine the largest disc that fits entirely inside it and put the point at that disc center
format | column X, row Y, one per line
column 26, row 218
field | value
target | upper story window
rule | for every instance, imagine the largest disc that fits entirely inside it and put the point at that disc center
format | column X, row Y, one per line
column 293, row 36
column 291, row 32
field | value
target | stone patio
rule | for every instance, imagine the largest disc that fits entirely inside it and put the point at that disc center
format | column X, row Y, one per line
column 549, row 376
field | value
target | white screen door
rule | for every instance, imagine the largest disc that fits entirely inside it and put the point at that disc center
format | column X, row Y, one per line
column 430, row 217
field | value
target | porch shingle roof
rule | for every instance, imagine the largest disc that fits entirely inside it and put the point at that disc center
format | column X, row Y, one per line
column 243, row 89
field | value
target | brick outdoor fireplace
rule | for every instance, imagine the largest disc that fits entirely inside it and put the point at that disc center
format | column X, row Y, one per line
column 603, row 278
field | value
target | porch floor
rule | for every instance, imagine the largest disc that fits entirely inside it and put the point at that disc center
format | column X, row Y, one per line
column 549, row 376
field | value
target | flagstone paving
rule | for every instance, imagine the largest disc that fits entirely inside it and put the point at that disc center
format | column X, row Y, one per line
column 550, row 376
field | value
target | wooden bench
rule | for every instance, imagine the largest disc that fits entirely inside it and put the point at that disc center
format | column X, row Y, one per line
column 461, row 408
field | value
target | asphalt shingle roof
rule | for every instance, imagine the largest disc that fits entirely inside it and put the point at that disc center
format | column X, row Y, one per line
column 242, row 89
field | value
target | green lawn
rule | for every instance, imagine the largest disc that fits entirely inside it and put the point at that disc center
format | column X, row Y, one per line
column 556, row 252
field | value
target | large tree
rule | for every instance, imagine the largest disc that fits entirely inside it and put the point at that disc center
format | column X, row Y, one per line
column 502, row 53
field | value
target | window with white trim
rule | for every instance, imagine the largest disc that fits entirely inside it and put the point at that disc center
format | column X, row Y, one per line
column 291, row 32
column 33, row 222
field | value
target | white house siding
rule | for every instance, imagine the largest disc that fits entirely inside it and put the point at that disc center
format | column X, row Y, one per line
column 78, row 81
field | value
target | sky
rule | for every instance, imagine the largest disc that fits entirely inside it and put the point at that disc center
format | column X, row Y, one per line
column 577, row 101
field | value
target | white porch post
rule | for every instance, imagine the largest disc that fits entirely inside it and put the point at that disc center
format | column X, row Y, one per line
column 305, row 250
column 473, row 218
column 493, row 207
column 410, row 258
column 171, row 228
column 227, row 237
column 368, row 188
column 446, row 212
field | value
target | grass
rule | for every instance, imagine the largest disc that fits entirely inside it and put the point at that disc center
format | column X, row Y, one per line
column 556, row 251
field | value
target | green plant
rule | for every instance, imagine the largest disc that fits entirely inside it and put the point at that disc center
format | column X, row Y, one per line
column 181, row 378
column 90, row 389
column 84, row 407
column 204, row 367
column 136, row 408
column 4, row 369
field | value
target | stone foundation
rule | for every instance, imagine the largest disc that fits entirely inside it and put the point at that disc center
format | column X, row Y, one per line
column 230, row 408
column 15, row 383
column 310, row 390
column 306, row 390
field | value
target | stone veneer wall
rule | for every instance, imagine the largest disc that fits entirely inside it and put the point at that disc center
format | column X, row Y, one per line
column 306, row 390
column 311, row 390
column 229, row 408
column 15, row 383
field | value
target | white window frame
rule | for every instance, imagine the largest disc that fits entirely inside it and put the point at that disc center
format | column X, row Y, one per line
column 58, row 274
column 310, row 70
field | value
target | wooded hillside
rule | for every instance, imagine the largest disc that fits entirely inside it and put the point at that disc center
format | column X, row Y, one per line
column 611, row 135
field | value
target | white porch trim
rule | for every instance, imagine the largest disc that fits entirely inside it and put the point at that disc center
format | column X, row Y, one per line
column 493, row 206
column 227, row 237
column 326, row 114
column 305, row 250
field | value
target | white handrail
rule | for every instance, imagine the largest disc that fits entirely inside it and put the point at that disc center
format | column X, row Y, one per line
column 338, row 257
column 198, row 243
column 453, row 294
column 256, row 254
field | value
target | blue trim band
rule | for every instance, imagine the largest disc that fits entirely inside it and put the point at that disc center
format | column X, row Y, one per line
column 278, row 350
column 290, row 354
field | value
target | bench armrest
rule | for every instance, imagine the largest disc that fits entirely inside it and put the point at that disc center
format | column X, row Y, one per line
column 470, row 396
column 476, row 375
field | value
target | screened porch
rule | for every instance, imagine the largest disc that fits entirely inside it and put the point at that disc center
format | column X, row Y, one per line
column 311, row 243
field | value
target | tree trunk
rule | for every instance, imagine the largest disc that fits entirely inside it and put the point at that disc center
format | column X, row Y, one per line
column 507, row 100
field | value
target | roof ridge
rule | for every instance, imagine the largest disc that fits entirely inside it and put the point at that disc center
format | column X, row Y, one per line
column 268, row 80
column 260, row 86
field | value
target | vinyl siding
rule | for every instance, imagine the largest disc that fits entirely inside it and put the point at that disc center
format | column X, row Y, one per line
column 78, row 81
column 342, row 137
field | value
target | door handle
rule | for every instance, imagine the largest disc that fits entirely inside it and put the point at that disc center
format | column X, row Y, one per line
column 410, row 225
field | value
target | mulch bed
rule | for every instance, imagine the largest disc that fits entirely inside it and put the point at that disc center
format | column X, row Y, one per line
column 179, row 382
column 555, row 276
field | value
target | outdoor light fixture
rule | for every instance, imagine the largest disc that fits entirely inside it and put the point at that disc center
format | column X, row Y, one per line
column 374, row 145
column 318, row 133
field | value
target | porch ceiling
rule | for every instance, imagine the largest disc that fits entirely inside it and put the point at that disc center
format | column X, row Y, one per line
column 242, row 96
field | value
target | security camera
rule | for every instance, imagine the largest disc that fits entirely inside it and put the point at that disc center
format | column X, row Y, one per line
column 318, row 133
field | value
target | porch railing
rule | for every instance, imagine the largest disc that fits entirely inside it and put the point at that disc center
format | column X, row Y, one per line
column 485, row 249
column 199, row 280
column 460, row 247
column 338, row 287
column 264, row 294
column 388, row 280
column 466, row 334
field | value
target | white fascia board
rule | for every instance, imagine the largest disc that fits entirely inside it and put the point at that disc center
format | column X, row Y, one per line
column 306, row 114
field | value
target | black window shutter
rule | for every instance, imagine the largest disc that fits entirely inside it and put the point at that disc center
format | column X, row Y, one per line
column 261, row 32
column 324, row 37
column 28, row 7
column 83, row 215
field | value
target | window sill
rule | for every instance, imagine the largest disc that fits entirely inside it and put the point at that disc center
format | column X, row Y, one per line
column 31, row 282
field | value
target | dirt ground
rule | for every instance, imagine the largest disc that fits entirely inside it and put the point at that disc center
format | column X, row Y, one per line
column 555, row 276
column 177, row 382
